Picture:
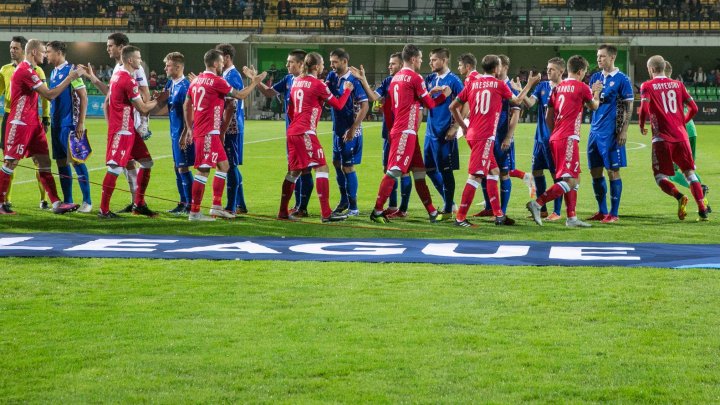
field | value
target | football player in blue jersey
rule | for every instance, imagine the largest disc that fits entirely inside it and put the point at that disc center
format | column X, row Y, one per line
column 177, row 89
column 381, row 93
column 234, row 125
column 608, row 133
column 441, row 146
column 347, row 130
column 542, row 158
column 68, row 119
column 304, row 185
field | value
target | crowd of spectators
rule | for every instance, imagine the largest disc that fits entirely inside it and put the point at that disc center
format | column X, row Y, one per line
column 684, row 10
column 696, row 76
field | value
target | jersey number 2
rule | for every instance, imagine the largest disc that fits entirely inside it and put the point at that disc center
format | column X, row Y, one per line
column 197, row 101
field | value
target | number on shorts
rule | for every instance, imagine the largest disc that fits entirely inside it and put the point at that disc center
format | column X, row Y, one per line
column 214, row 157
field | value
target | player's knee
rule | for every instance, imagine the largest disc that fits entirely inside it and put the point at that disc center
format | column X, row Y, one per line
column 492, row 177
column 146, row 164
column 292, row 176
column 114, row 169
column 419, row 175
column 396, row 173
column 660, row 177
column 691, row 176
column 564, row 184
column 322, row 175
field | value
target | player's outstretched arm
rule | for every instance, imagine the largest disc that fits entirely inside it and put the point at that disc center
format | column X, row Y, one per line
column 595, row 102
column 255, row 79
column 532, row 81
column 51, row 94
column 456, row 109
column 90, row 74
column 145, row 107
column 692, row 109
column 360, row 75
column 339, row 102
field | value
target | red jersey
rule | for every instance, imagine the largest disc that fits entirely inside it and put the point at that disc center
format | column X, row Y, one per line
column 307, row 95
column 406, row 93
column 24, row 99
column 568, row 99
column 485, row 95
column 665, row 99
column 208, row 93
column 471, row 76
column 123, row 89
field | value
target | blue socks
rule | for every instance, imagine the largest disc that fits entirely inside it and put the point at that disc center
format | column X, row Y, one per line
column 84, row 181
column 540, row 188
column 405, row 191
column 448, row 178
column 66, row 179
column 231, row 185
column 483, row 183
column 600, row 188
column 180, row 187
column 187, row 182
column 306, row 188
column 340, row 178
column 437, row 181
column 505, row 189
column 351, row 186
column 615, row 193
column 393, row 195
column 240, row 196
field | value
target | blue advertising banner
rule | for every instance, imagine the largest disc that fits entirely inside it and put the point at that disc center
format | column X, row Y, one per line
column 510, row 253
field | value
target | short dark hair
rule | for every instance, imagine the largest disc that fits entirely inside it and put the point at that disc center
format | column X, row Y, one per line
column 129, row 50
column 505, row 60
column 489, row 63
column 340, row 53
column 212, row 56
column 610, row 49
column 312, row 59
column 558, row 61
column 175, row 57
column 20, row 39
column 576, row 63
column 468, row 59
column 119, row 39
column 227, row 50
column 443, row 53
column 298, row 55
column 668, row 69
column 58, row 46
column 410, row 51
column 396, row 55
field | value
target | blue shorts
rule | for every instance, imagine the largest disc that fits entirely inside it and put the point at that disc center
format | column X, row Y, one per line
column 386, row 152
column 348, row 153
column 234, row 148
column 542, row 157
column 441, row 154
column 182, row 158
column 505, row 159
column 603, row 152
column 59, row 139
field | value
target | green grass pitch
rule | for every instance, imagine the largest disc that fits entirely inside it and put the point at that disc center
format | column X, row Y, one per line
column 114, row 330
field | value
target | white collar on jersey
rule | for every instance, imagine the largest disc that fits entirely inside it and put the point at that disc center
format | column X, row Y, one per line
column 313, row 76
column 571, row 78
column 660, row 77
column 62, row 65
column 486, row 76
column 212, row 73
column 177, row 81
column 444, row 75
column 228, row 69
column 346, row 75
column 611, row 74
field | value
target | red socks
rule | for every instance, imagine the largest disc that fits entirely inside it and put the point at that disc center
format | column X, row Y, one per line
column 386, row 187
column 288, row 187
column 697, row 192
column 218, row 187
column 571, row 203
column 48, row 182
column 107, row 191
column 466, row 200
column 494, row 196
column 516, row 173
column 143, row 179
column 669, row 188
column 198, row 189
column 424, row 194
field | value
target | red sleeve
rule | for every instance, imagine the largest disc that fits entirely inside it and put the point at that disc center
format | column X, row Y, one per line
column 132, row 91
column 32, row 80
column 505, row 92
column 419, row 86
column 587, row 93
column 692, row 107
column 463, row 96
column 223, row 87
column 339, row 103
column 644, row 107
column 551, row 100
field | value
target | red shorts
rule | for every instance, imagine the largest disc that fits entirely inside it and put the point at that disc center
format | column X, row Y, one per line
column 209, row 150
column 664, row 154
column 404, row 152
column 123, row 148
column 304, row 151
column 25, row 140
column 566, row 155
column 482, row 157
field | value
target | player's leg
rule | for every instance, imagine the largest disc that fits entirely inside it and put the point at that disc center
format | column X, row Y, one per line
column 417, row 166
column 222, row 169
column 351, row 156
column 392, row 202
column 233, row 173
column 682, row 156
column 614, row 159
column 59, row 140
column 6, row 174
column 83, row 178
column 338, row 145
column 240, row 204
column 662, row 167
column 406, row 186
column 448, row 160
column 471, row 185
column 399, row 164
column 108, row 187
column 597, row 165
column 198, row 190
column 131, row 174
column 287, row 190
column 38, row 149
column 307, row 186
column 41, row 189
column 140, row 153
column 430, row 152
column 188, row 160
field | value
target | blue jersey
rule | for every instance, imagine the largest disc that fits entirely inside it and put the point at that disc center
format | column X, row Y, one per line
column 237, row 124
column 382, row 92
column 65, row 110
column 505, row 113
column 542, row 95
column 177, row 90
column 343, row 119
column 283, row 88
column 439, row 119
column 616, row 90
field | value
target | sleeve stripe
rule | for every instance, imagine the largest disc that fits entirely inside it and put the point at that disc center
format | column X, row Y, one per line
column 424, row 94
column 629, row 99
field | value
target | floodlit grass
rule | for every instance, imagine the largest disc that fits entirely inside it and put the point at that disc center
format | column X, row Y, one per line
column 112, row 330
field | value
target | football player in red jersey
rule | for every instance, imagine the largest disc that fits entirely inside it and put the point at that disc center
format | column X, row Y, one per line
column 564, row 116
column 204, row 120
column 484, row 96
column 25, row 135
column 662, row 102
column 307, row 95
column 407, row 93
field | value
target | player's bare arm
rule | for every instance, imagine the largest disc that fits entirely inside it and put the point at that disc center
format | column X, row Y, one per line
column 228, row 115
column 595, row 102
column 51, row 94
column 627, row 114
column 90, row 74
column 162, row 105
column 511, row 130
column 457, row 110
column 80, row 127
column 255, row 79
column 532, row 81
column 187, row 136
column 359, row 118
